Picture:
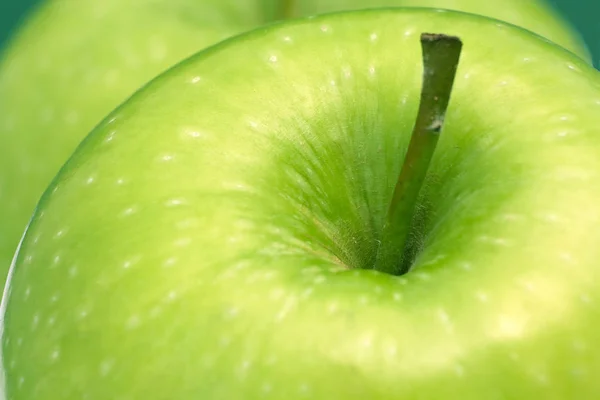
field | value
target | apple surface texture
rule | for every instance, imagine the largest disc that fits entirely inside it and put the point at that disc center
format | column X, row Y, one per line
column 215, row 236
column 73, row 62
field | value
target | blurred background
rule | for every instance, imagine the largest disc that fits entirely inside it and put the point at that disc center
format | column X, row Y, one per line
column 582, row 13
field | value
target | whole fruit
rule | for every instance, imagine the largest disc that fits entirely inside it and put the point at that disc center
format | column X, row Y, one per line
column 74, row 61
column 216, row 236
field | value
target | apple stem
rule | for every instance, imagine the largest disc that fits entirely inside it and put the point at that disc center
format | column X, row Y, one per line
column 441, row 54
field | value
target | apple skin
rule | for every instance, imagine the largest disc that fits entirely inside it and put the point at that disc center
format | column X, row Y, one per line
column 208, row 239
column 55, row 86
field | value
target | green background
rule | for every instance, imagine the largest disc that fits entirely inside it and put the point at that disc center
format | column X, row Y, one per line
column 582, row 13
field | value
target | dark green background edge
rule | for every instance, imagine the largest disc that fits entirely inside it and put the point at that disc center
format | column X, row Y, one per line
column 583, row 14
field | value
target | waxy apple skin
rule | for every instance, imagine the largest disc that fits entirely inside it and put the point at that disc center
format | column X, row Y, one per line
column 206, row 240
column 75, row 61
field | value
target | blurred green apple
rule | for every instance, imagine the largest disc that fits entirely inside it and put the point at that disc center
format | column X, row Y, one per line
column 75, row 61
column 215, row 237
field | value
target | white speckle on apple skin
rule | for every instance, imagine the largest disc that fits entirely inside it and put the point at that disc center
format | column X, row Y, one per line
column 208, row 361
column 176, row 202
column 363, row 300
column 266, row 388
column 373, row 37
column 110, row 136
column 224, row 341
column 171, row 296
column 287, row 307
column 541, row 378
column 155, row 312
column 277, row 293
column 72, row 118
column 466, row 266
column 585, row 298
column 325, row 28
column 268, row 275
column 133, row 322
column 495, row 241
column 158, row 49
column 273, row 58
column 287, row 39
column 509, row 326
column 35, row 321
column 60, row 233
column 527, row 285
column 304, row 388
column 9, row 124
column 459, row 370
column 166, row 157
column 111, row 77
column 366, row 341
column 551, row 217
column 567, row 257
column 54, row 356
column 47, row 115
column 444, row 318
column 271, row 360
column 347, row 72
column 187, row 223
column 332, row 308
column 182, row 242
column 391, row 350
column 570, row 173
column 196, row 79
column 579, row 345
column 193, row 134
column 510, row 217
column 422, row 276
column 129, row 211
column 231, row 313
column 105, row 367
column 482, row 296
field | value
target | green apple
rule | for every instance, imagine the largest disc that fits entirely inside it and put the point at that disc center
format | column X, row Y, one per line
column 218, row 236
column 75, row 61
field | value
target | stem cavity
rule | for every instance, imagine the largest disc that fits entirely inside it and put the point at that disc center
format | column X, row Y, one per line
column 441, row 54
